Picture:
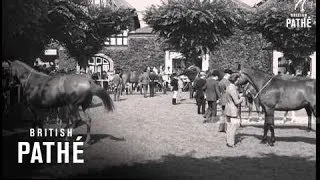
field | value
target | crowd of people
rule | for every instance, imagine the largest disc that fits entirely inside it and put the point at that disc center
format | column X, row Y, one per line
column 208, row 89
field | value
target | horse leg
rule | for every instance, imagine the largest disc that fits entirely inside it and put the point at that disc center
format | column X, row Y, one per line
column 285, row 116
column 270, row 124
column 309, row 112
column 250, row 110
column 36, row 119
column 265, row 129
column 88, row 123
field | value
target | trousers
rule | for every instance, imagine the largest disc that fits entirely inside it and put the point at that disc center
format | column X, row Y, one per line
column 232, row 125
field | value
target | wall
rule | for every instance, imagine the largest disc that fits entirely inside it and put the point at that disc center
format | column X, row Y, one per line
column 246, row 49
column 142, row 51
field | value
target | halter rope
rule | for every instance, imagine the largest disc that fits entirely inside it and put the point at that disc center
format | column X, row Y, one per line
column 263, row 87
column 27, row 80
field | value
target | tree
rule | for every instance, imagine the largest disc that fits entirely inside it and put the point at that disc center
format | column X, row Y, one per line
column 270, row 20
column 82, row 30
column 194, row 27
column 23, row 35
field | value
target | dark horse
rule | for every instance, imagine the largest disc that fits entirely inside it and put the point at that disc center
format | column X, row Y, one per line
column 250, row 93
column 133, row 78
column 193, row 71
column 276, row 93
column 44, row 92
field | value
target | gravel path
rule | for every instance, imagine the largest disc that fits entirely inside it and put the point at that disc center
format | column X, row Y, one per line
column 150, row 138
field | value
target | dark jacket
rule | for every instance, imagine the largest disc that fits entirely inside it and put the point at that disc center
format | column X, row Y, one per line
column 212, row 89
column 174, row 84
column 223, row 84
column 144, row 79
column 198, row 87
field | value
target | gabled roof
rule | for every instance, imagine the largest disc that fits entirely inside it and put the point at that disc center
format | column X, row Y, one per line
column 123, row 4
column 143, row 30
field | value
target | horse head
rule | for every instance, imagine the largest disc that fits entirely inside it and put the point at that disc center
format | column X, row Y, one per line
column 14, row 72
column 191, row 72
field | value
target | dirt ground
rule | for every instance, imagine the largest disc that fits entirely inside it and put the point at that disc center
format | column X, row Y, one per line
column 150, row 138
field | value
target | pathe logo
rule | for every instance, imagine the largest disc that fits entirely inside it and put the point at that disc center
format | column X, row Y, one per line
column 300, row 19
column 302, row 2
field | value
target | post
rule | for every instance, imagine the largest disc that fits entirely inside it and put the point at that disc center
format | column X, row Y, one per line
column 313, row 66
column 168, row 61
column 313, row 76
column 205, row 62
column 275, row 56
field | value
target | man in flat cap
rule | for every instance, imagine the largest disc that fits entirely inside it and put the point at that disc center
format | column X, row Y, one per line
column 223, row 84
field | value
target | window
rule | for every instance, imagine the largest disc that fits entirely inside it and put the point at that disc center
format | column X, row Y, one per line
column 91, row 61
column 118, row 40
column 99, row 60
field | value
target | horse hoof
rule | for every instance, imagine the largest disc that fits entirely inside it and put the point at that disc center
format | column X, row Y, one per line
column 271, row 144
column 264, row 141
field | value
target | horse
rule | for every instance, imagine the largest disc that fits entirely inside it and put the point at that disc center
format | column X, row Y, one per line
column 192, row 72
column 44, row 92
column 249, row 94
column 133, row 78
column 276, row 93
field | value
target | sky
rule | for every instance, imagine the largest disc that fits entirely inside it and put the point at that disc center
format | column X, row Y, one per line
column 141, row 5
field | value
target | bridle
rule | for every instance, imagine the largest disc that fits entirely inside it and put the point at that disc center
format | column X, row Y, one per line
column 263, row 87
column 25, row 86
column 11, row 80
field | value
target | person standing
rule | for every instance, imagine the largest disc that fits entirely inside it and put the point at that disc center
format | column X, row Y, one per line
column 153, row 78
column 212, row 94
column 231, row 110
column 174, row 84
column 117, row 85
column 166, row 79
column 180, row 88
column 199, row 83
column 223, row 84
column 144, row 80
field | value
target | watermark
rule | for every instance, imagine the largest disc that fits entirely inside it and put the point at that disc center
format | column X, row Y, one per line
column 299, row 19
column 34, row 152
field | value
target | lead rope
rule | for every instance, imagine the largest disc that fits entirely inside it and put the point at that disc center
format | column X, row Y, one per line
column 263, row 87
column 27, row 80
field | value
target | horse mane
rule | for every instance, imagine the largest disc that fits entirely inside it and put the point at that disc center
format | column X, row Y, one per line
column 30, row 68
column 257, row 71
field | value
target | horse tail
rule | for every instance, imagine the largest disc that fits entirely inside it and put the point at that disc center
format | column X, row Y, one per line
column 103, row 95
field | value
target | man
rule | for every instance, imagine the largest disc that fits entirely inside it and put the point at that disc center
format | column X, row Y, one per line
column 117, row 85
column 223, row 84
column 180, row 88
column 144, row 80
column 174, row 84
column 198, row 85
column 166, row 79
column 153, row 78
column 212, row 94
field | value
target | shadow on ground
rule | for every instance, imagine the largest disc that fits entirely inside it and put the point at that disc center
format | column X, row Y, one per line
column 241, row 136
column 269, row 166
column 285, row 126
